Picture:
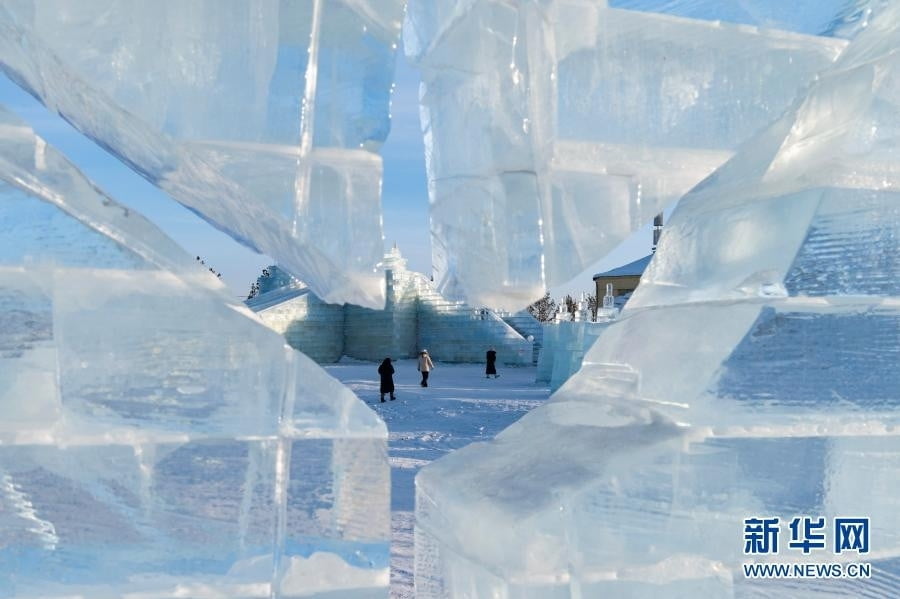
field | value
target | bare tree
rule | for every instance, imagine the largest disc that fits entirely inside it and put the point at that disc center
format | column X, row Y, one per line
column 593, row 305
column 571, row 306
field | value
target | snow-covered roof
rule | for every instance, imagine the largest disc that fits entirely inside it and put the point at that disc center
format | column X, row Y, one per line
column 632, row 269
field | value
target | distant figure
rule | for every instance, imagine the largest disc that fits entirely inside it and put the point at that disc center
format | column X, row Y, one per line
column 386, row 371
column 491, row 367
column 425, row 366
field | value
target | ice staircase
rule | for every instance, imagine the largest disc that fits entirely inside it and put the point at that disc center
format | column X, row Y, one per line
column 527, row 325
column 456, row 332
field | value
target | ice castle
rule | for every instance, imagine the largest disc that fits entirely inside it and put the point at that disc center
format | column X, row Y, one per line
column 415, row 316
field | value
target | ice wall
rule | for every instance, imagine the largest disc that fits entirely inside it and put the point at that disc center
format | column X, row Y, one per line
column 392, row 332
column 569, row 343
column 308, row 324
column 156, row 439
column 528, row 326
column 554, row 129
column 752, row 374
column 415, row 316
column 264, row 117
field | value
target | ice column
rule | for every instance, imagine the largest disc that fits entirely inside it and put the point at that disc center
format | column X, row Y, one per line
column 554, row 129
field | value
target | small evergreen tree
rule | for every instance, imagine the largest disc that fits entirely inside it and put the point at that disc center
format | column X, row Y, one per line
column 544, row 309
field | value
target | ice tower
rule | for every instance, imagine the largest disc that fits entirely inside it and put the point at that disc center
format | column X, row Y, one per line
column 156, row 439
column 264, row 117
column 753, row 374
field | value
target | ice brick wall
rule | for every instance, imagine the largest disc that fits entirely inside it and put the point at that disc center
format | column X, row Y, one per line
column 389, row 333
column 570, row 344
column 455, row 332
column 570, row 124
column 264, row 117
column 528, row 326
column 307, row 323
column 156, row 439
column 752, row 374
column 415, row 316
column 565, row 345
column 550, row 338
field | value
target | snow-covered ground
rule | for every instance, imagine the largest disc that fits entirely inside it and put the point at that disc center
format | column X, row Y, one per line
column 460, row 406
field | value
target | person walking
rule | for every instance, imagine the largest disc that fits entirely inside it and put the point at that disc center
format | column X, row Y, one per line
column 491, row 367
column 425, row 366
column 386, row 372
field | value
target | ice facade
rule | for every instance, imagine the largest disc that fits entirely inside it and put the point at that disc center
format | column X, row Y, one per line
column 157, row 440
column 264, row 117
column 415, row 317
column 565, row 344
column 554, row 129
column 752, row 374
column 529, row 327
column 308, row 324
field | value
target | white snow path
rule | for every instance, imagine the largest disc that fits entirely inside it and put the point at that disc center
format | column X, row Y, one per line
column 459, row 406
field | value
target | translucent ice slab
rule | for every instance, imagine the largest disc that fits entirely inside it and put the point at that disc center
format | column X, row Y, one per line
column 570, row 124
column 263, row 117
column 839, row 18
column 752, row 374
column 156, row 439
column 631, row 505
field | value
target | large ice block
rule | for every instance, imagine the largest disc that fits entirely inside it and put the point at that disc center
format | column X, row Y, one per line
column 752, row 374
column 264, row 117
column 555, row 129
column 156, row 439
column 839, row 18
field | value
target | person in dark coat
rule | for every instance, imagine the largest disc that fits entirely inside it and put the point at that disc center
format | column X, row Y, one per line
column 386, row 372
column 491, row 367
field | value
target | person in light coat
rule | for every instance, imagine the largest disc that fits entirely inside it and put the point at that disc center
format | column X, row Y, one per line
column 425, row 366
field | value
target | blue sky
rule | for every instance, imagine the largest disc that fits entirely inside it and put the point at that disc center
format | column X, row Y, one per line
column 404, row 192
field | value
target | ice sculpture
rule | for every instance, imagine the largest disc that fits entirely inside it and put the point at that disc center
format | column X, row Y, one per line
column 752, row 374
column 156, row 439
column 554, row 129
column 264, row 117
